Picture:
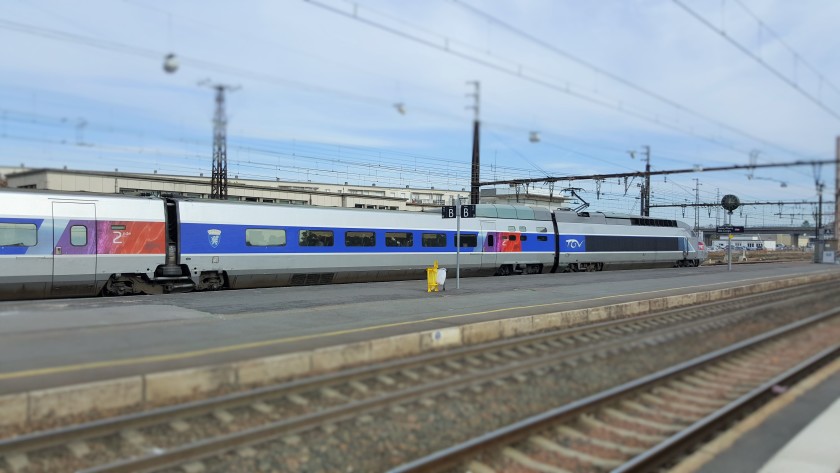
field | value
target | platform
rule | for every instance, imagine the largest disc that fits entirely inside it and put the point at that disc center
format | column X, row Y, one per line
column 60, row 342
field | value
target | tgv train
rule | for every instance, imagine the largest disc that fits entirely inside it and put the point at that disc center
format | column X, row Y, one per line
column 61, row 244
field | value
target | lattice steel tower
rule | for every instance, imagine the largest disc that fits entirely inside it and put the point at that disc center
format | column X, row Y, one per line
column 219, row 180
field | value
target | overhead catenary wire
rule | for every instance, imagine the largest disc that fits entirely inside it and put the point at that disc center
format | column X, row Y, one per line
column 763, row 26
column 756, row 58
column 446, row 45
column 270, row 78
column 615, row 77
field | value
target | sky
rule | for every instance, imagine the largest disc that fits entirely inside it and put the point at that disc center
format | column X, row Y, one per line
column 378, row 91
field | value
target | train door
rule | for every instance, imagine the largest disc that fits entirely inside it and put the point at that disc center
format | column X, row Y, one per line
column 74, row 249
column 488, row 249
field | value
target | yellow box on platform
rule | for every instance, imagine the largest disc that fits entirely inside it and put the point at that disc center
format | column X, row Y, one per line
column 431, row 278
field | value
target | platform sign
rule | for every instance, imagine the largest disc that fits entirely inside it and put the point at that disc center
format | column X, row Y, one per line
column 451, row 211
column 730, row 229
column 458, row 212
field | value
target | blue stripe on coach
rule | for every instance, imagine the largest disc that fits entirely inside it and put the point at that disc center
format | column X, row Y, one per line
column 200, row 238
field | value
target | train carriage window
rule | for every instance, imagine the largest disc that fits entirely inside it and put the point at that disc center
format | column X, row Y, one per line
column 523, row 229
column 265, row 237
column 542, row 238
column 512, row 237
column 360, row 239
column 399, row 239
column 469, row 240
column 18, row 234
column 316, row 238
column 78, row 235
column 512, row 228
column 490, row 241
column 435, row 240
column 542, row 230
column 523, row 237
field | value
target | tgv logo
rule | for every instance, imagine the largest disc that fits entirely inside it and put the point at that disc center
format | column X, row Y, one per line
column 572, row 243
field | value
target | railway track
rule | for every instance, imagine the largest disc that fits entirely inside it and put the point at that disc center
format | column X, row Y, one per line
column 647, row 424
column 209, row 433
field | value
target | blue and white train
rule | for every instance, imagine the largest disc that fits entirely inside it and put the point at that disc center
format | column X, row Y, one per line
column 62, row 244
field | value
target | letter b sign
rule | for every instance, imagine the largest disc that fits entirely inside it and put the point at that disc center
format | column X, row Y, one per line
column 468, row 211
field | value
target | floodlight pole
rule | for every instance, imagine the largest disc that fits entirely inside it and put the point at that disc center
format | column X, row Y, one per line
column 476, row 155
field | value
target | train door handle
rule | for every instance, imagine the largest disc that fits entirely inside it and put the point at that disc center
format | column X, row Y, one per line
column 58, row 250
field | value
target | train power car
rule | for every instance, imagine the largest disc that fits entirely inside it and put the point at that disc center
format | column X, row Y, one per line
column 56, row 245
column 59, row 245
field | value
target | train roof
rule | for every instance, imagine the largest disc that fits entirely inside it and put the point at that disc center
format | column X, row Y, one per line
column 72, row 195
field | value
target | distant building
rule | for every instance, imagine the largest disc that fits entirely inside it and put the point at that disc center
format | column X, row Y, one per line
column 746, row 242
column 252, row 190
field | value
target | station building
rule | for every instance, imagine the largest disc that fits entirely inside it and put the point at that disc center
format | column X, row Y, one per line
column 251, row 190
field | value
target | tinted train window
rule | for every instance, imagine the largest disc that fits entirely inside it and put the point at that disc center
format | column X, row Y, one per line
column 78, row 235
column 399, row 239
column 18, row 234
column 523, row 237
column 489, row 240
column 436, row 240
column 542, row 230
column 360, row 239
column 469, row 240
column 511, row 228
column 522, row 229
column 265, row 237
column 542, row 238
column 512, row 237
column 316, row 238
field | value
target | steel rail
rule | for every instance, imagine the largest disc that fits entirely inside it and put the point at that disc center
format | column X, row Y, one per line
column 216, row 445
column 99, row 428
column 675, row 446
column 455, row 455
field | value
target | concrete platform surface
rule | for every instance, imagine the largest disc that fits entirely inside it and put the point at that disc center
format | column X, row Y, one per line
column 802, row 437
column 61, row 342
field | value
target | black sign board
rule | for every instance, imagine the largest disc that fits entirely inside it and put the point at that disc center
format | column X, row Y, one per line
column 450, row 211
column 730, row 229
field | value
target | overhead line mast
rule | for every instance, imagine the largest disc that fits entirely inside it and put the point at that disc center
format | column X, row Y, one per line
column 219, row 179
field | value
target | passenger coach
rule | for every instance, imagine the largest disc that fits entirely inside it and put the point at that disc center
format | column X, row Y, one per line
column 57, row 245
